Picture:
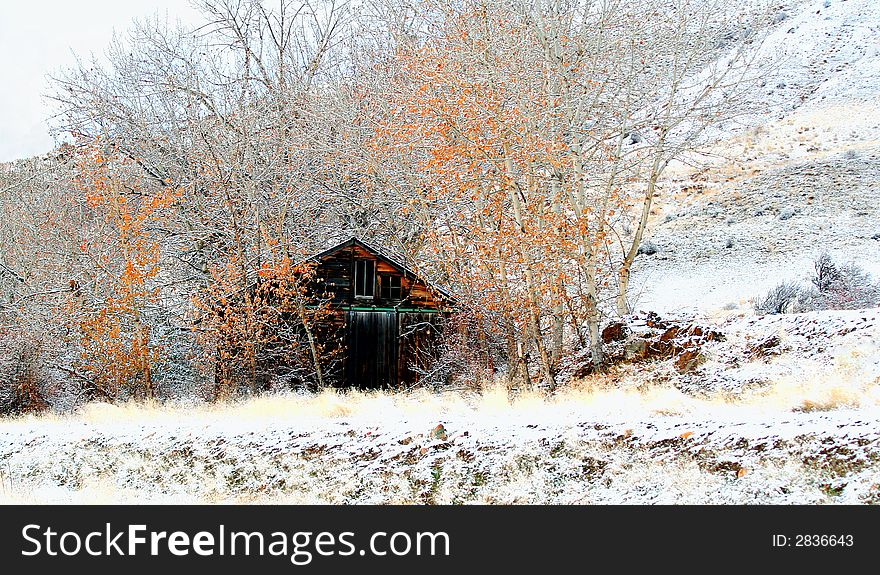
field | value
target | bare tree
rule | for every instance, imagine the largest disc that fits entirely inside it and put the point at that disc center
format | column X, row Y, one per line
column 527, row 134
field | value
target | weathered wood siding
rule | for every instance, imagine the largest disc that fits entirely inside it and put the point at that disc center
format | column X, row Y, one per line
column 335, row 281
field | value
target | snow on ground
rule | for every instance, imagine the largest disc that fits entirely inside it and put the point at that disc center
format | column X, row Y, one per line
column 732, row 243
column 794, row 361
column 571, row 452
column 802, row 179
column 807, row 432
column 823, row 52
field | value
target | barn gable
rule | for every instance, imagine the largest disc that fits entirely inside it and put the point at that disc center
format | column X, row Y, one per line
column 355, row 275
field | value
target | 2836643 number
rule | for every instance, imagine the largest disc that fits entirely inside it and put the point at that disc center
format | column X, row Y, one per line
column 823, row 541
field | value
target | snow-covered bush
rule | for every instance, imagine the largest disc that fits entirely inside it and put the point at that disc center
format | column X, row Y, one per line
column 465, row 355
column 787, row 297
column 845, row 286
column 833, row 286
column 648, row 248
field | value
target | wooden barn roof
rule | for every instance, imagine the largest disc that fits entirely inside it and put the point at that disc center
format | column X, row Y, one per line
column 386, row 258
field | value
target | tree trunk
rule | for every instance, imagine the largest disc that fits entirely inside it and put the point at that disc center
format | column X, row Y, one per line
column 623, row 286
column 313, row 348
column 534, row 304
column 629, row 258
column 596, row 354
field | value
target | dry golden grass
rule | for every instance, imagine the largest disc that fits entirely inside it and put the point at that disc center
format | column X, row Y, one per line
column 636, row 390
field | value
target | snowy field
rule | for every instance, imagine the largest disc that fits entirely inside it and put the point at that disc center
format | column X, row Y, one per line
column 613, row 447
column 800, row 424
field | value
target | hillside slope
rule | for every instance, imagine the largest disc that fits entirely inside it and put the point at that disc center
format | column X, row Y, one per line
column 798, row 177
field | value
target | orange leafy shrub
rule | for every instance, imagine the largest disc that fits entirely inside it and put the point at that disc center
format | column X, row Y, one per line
column 116, row 350
column 259, row 329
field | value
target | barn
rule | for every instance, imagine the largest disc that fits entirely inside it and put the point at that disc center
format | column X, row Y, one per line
column 384, row 316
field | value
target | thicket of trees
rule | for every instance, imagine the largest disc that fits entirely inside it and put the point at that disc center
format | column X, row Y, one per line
column 509, row 150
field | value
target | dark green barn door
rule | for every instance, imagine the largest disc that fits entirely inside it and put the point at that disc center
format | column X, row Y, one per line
column 372, row 349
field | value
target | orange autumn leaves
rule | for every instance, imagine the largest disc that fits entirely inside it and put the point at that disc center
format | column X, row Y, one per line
column 269, row 320
column 117, row 351
column 477, row 113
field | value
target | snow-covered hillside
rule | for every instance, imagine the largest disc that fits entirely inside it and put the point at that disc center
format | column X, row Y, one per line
column 828, row 53
column 799, row 176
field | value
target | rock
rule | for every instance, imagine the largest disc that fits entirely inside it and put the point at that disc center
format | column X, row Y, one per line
column 765, row 347
column 635, row 348
column 728, row 243
column 711, row 335
column 669, row 334
column 652, row 337
column 439, row 433
column 689, row 359
column 632, row 138
column 615, row 331
column 654, row 320
column 662, row 349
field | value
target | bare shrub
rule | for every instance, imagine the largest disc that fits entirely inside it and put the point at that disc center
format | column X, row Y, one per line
column 833, row 287
column 784, row 298
column 854, row 290
column 845, row 286
column 466, row 355
column 826, row 274
column 22, row 385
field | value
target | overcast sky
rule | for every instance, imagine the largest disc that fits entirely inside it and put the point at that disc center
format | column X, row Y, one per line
column 40, row 37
